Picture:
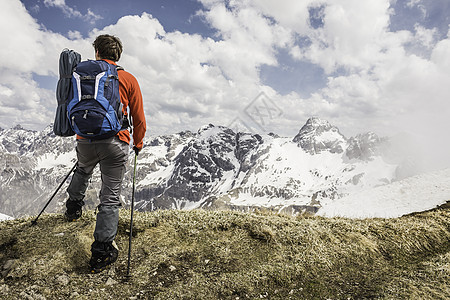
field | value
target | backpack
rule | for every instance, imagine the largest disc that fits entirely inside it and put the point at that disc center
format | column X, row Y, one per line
column 95, row 110
column 67, row 62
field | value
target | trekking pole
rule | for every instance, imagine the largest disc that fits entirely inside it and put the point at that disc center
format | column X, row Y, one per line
column 34, row 222
column 131, row 219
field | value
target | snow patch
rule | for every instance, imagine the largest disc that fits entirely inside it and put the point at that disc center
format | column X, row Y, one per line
column 4, row 217
column 246, row 199
column 413, row 194
column 51, row 160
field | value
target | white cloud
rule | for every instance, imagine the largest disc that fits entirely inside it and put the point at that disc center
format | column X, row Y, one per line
column 197, row 80
column 21, row 101
column 441, row 55
column 30, row 50
column 74, row 35
column 412, row 3
column 292, row 15
column 35, row 8
column 417, row 4
column 92, row 17
column 353, row 35
column 425, row 36
column 70, row 12
column 67, row 10
column 249, row 39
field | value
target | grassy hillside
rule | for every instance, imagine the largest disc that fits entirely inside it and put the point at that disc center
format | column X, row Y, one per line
column 231, row 255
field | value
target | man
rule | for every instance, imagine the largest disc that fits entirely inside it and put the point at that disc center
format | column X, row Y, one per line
column 112, row 155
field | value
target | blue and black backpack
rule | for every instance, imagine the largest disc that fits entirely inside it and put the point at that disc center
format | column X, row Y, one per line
column 95, row 110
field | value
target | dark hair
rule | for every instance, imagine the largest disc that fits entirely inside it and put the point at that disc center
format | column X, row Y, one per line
column 108, row 47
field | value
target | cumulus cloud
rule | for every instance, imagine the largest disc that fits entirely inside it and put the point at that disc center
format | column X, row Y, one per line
column 378, row 80
column 197, row 80
column 74, row 35
column 30, row 50
column 248, row 39
column 70, row 12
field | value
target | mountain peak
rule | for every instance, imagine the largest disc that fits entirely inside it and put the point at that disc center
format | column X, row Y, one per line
column 317, row 122
column 205, row 128
column 319, row 135
column 18, row 127
column 364, row 146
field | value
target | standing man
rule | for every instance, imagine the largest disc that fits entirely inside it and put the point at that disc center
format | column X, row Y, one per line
column 112, row 155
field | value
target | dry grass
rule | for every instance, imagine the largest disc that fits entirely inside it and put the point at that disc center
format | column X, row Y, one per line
column 232, row 255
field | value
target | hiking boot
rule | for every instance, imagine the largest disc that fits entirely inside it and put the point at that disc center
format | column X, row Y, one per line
column 74, row 210
column 103, row 254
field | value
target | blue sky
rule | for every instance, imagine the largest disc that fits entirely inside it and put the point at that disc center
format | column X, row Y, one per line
column 172, row 14
column 373, row 65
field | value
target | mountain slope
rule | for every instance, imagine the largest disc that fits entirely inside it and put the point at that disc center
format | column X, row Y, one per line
column 227, row 255
column 218, row 168
column 213, row 168
column 413, row 194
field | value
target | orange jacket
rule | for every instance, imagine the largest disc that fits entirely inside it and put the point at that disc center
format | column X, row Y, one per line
column 130, row 96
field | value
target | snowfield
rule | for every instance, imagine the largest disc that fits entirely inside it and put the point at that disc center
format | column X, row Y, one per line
column 4, row 217
column 413, row 194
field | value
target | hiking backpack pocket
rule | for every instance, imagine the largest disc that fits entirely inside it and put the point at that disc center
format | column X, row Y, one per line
column 90, row 121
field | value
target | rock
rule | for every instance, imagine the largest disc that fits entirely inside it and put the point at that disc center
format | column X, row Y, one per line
column 4, row 289
column 365, row 146
column 7, row 267
column 110, row 281
column 9, row 264
column 26, row 296
column 245, row 143
column 62, row 280
column 36, row 296
column 172, row 268
column 112, row 271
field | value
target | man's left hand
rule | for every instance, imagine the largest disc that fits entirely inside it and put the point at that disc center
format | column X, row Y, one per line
column 136, row 150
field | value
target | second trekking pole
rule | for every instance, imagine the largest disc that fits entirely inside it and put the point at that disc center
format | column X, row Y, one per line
column 131, row 218
column 34, row 222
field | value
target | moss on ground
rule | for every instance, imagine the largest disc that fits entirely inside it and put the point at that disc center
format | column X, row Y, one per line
column 231, row 255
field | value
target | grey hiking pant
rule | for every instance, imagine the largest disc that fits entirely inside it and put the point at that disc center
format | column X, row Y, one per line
column 112, row 155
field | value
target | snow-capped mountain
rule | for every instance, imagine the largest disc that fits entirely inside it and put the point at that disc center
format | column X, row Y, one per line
column 318, row 135
column 31, row 165
column 213, row 168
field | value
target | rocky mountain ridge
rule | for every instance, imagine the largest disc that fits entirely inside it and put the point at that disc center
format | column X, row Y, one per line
column 214, row 168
